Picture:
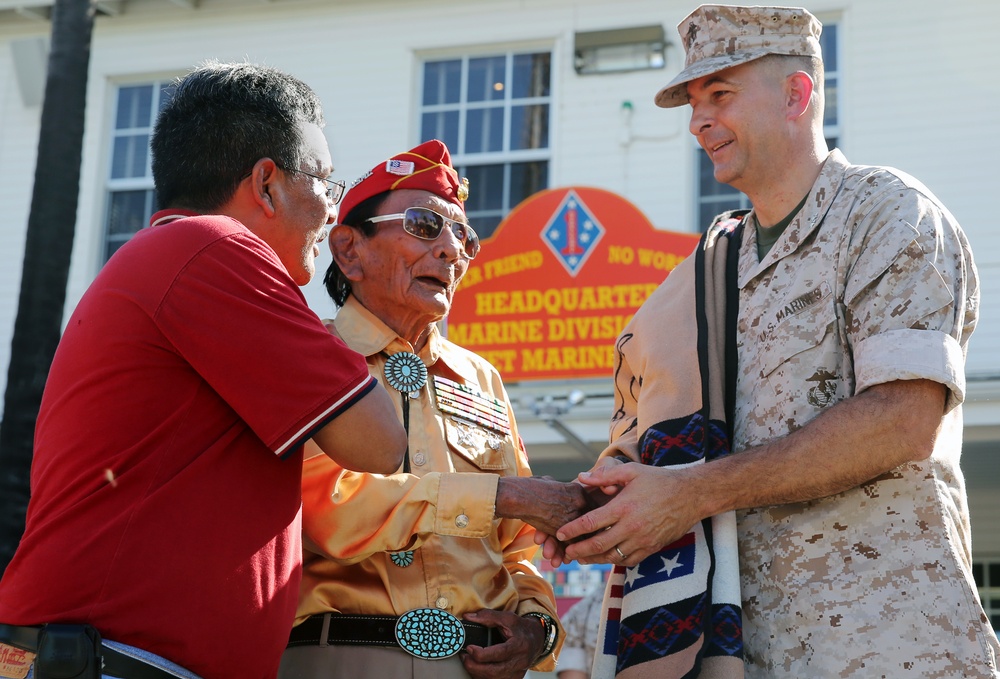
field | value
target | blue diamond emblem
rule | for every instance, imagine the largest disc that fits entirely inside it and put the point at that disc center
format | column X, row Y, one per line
column 572, row 233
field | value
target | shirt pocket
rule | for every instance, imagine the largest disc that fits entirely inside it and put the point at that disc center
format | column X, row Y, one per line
column 799, row 341
column 475, row 448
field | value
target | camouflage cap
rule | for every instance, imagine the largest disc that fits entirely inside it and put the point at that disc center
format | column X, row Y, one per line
column 717, row 37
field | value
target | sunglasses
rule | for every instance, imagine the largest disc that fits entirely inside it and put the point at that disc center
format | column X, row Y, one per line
column 427, row 225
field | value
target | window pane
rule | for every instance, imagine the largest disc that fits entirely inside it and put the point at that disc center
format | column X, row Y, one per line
column 129, row 211
column 442, row 82
column 112, row 245
column 830, row 95
column 714, row 197
column 443, row 126
column 486, row 78
column 529, row 127
column 485, row 188
column 977, row 573
column 707, row 186
column 828, row 47
column 129, row 156
column 706, row 212
column 993, row 574
column 486, row 223
column 484, row 130
column 527, row 179
column 134, row 107
column 166, row 93
column 531, row 75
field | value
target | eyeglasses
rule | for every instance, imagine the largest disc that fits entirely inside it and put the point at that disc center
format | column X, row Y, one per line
column 427, row 225
column 334, row 188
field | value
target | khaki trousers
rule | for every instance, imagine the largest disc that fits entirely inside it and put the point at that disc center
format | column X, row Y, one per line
column 356, row 662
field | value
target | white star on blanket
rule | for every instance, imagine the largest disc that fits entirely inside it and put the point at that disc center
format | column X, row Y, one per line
column 670, row 564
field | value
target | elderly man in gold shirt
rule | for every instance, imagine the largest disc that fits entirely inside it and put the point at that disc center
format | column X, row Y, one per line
column 426, row 572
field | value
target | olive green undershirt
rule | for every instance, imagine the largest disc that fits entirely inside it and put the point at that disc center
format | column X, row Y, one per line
column 767, row 236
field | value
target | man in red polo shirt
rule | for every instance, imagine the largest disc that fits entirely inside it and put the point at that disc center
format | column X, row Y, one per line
column 165, row 498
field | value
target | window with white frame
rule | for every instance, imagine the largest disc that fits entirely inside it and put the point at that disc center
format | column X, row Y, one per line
column 987, row 574
column 493, row 112
column 131, row 198
column 714, row 198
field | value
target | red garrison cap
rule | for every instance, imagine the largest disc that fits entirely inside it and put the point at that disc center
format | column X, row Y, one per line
column 426, row 167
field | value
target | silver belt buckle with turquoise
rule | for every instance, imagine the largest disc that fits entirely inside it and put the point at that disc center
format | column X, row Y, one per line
column 430, row 633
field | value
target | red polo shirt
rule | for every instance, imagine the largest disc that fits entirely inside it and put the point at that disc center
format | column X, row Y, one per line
column 165, row 488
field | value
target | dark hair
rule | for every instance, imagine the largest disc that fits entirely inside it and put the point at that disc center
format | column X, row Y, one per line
column 219, row 120
column 336, row 283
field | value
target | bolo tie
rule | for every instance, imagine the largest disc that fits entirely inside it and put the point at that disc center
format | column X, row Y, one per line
column 407, row 374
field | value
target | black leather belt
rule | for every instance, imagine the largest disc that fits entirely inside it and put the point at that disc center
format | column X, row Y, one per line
column 116, row 663
column 373, row 630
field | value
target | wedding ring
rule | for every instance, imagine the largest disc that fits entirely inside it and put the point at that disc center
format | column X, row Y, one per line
column 621, row 554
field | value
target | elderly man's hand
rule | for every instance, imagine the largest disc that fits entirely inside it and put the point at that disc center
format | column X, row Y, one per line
column 543, row 502
column 553, row 550
column 525, row 639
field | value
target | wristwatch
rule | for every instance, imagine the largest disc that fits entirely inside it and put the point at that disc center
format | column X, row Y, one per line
column 551, row 631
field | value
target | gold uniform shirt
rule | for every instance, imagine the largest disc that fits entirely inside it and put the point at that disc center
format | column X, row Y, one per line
column 463, row 559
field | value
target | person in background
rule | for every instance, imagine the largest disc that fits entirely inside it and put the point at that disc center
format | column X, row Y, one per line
column 426, row 571
column 580, row 622
column 165, row 512
column 857, row 296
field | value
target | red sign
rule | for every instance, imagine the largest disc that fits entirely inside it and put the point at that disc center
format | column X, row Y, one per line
column 556, row 283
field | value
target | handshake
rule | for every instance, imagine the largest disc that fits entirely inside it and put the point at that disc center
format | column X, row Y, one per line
column 548, row 505
column 615, row 513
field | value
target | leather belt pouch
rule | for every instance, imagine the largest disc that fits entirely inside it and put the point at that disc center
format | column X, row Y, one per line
column 68, row 652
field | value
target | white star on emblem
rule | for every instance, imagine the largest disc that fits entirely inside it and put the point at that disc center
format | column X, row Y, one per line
column 631, row 575
column 670, row 564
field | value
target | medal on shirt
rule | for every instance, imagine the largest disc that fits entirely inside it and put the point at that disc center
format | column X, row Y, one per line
column 473, row 406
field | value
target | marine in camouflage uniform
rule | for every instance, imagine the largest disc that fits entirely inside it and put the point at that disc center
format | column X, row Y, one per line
column 855, row 313
column 872, row 281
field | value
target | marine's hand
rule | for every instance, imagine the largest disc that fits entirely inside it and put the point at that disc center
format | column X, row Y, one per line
column 654, row 508
column 524, row 640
